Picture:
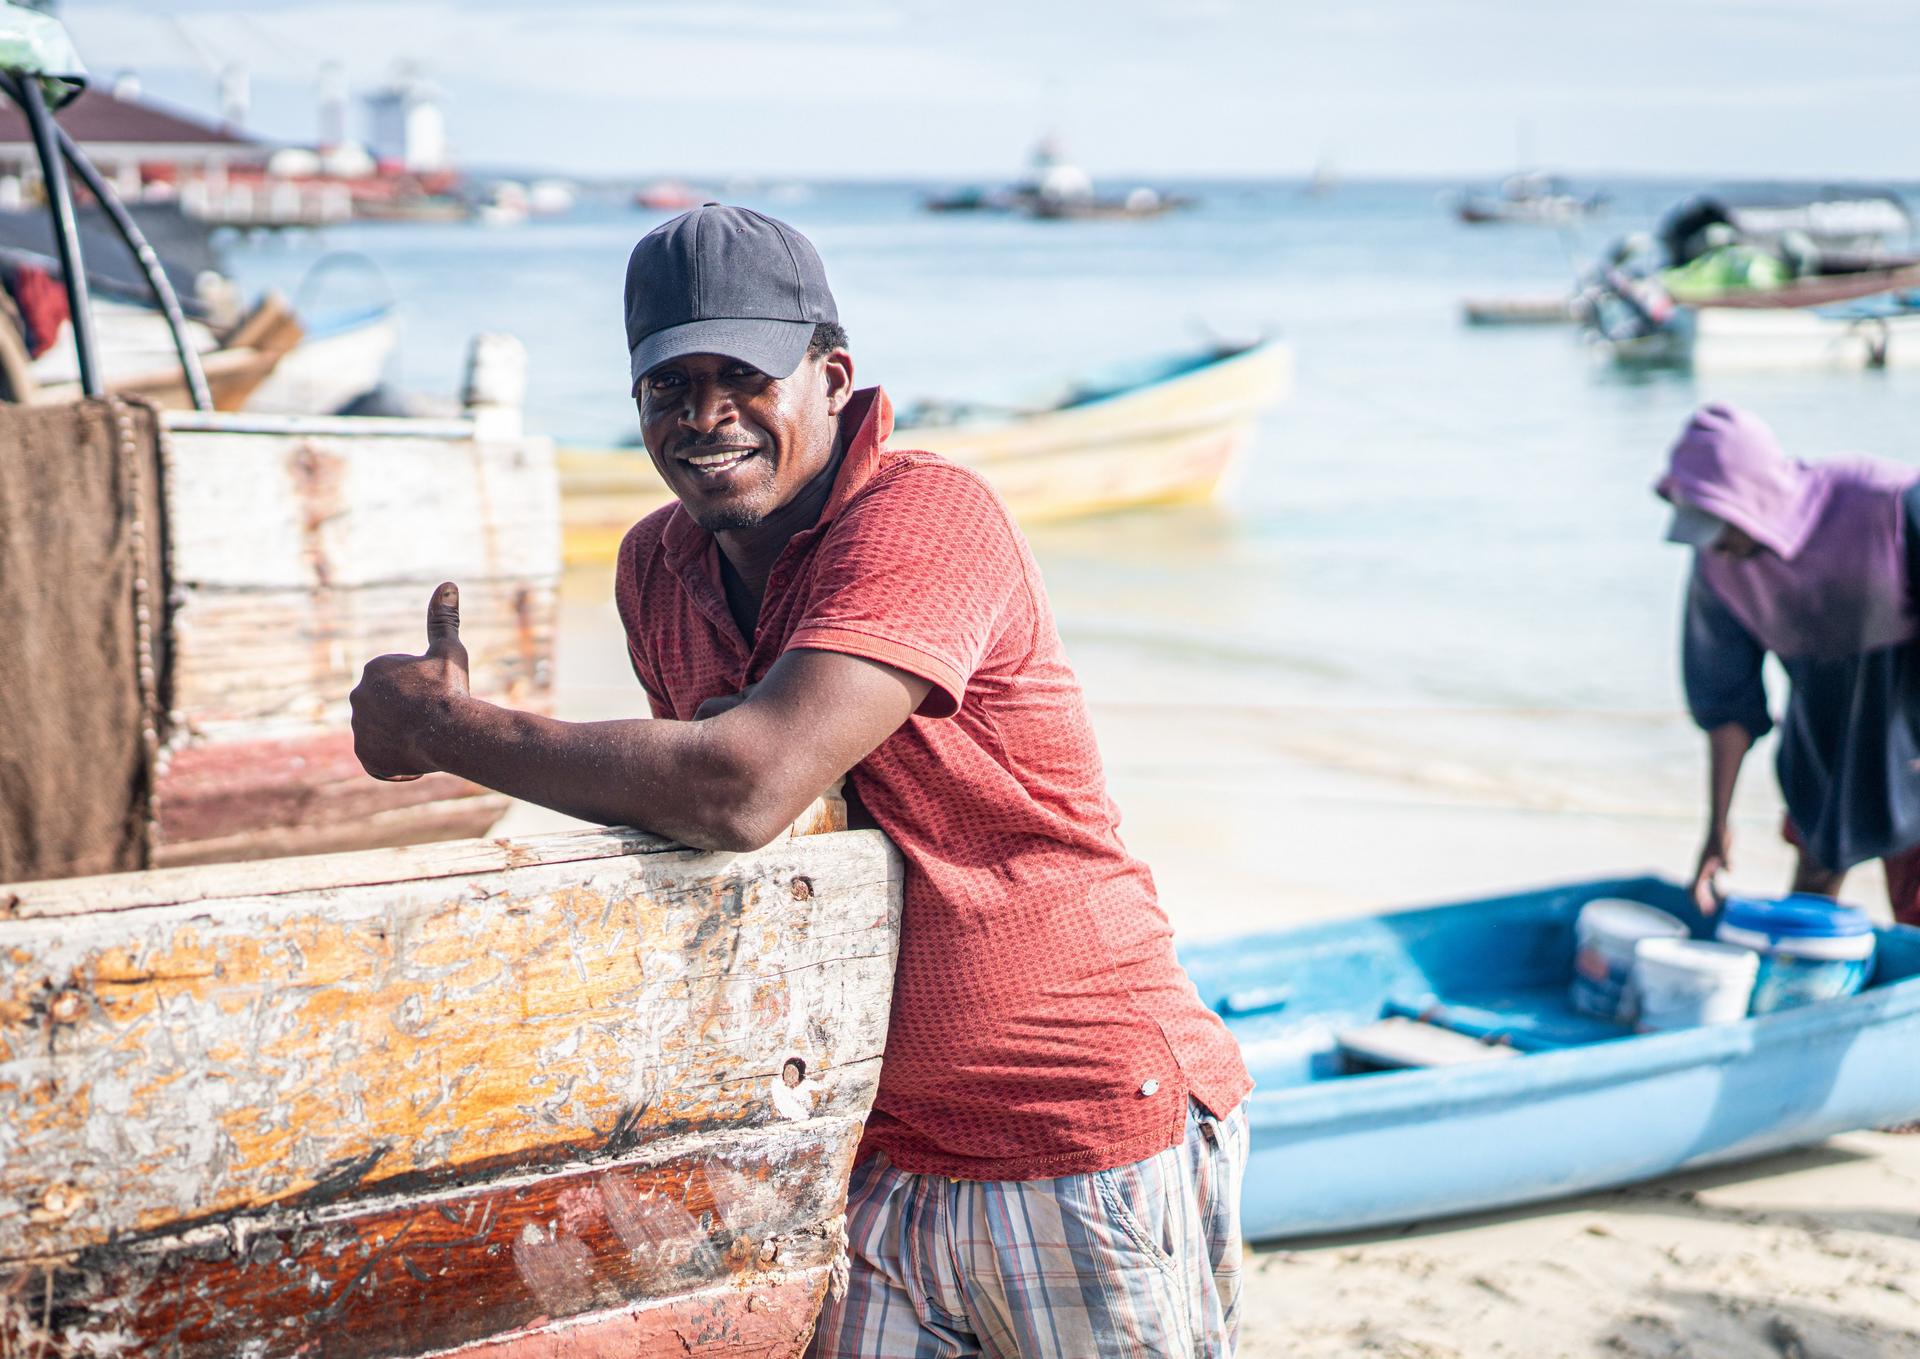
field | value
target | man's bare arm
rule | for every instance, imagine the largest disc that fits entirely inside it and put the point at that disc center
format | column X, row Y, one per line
column 733, row 781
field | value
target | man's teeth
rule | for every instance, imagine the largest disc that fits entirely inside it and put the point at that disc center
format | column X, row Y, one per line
column 717, row 459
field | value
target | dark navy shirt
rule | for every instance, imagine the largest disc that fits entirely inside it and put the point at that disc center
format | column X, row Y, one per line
column 1849, row 759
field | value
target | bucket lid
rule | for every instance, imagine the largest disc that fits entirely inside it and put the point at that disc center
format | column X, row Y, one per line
column 1628, row 919
column 1800, row 916
column 1698, row 955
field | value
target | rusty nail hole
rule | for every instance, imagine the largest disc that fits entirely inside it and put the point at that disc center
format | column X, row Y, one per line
column 802, row 888
column 795, row 1070
column 67, row 1007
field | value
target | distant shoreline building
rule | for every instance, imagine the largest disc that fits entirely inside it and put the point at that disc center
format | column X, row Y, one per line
column 407, row 126
column 141, row 148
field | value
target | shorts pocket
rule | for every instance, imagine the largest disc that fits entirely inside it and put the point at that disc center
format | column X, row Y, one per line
column 1125, row 1195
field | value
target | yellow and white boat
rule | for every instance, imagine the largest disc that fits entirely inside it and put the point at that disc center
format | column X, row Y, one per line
column 1167, row 434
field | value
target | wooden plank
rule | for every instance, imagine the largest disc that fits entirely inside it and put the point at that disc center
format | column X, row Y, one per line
column 371, row 868
column 761, row 1321
column 264, row 511
column 166, row 1062
column 675, row 1240
column 469, row 812
column 310, row 786
column 267, row 662
column 1398, row 1042
column 368, row 868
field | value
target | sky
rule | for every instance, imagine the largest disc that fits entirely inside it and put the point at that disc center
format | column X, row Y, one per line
column 943, row 90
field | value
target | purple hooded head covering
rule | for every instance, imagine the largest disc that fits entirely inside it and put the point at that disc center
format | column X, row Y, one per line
column 1833, row 580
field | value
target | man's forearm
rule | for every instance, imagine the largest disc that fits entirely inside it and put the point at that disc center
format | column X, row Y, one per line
column 677, row 779
column 1727, row 745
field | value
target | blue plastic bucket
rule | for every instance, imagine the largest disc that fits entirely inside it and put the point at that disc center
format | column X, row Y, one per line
column 1811, row 948
column 1604, row 935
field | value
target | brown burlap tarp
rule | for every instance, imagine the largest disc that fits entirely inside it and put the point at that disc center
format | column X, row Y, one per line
column 80, row 552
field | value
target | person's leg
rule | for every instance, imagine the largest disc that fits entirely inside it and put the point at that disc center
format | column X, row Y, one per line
column 1143, row 1259
column 888, row 1310
column 1808, row 874
column 1903, row 885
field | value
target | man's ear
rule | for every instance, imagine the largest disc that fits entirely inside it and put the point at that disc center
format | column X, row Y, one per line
column 836, row 368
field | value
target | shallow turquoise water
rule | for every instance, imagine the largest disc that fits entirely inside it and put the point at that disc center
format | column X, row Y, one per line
column 1438, row 517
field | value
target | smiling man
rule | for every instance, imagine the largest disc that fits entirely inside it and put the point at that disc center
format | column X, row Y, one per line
column 1053, row 1162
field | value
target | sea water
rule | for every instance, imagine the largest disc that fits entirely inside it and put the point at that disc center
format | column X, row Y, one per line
column 1442, row 552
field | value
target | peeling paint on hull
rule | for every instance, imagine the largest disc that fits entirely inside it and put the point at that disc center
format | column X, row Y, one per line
column 556, row 1095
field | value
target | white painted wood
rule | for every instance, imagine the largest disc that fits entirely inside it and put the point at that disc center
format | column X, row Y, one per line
column 275, row 661
column 263, row 511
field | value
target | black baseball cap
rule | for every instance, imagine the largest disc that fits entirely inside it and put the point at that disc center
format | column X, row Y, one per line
column 725, row 280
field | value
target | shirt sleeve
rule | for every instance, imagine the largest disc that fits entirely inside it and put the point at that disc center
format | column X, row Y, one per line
column 626, row 598
column 1721, row 662
column 920, row 573
column 656, row 705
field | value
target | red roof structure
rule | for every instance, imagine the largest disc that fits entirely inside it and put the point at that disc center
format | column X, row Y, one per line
column 97, row 118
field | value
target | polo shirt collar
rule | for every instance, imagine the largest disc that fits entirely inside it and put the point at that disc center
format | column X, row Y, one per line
column 866, row 424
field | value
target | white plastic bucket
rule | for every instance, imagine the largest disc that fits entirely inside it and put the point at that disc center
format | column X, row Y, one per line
column 1604, row 935
column 1682, row 983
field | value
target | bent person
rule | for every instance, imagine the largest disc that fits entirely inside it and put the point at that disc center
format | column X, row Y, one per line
column 1052, row 1165
column 1819, row 564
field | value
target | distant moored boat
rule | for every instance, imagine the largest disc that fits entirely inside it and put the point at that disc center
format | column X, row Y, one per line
column 1163, row 433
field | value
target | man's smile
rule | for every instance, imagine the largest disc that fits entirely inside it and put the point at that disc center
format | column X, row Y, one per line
column 711, row 466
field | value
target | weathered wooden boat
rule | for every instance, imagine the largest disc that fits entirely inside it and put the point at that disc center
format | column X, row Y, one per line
column 583, row 1095
column 1585, row 1105
column 1162, row 433
column 263, row 559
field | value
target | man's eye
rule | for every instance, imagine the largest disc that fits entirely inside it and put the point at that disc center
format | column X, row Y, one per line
column 662, row 384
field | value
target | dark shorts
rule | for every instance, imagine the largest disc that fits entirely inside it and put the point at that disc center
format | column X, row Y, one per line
column 1903, row 875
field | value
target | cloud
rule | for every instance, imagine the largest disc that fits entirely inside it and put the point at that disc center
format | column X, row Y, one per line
column 1204, row 86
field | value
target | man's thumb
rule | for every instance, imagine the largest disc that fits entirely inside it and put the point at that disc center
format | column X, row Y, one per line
column 443, row 617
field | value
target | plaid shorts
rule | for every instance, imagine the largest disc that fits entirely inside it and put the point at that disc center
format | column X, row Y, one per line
column 1140, row 1260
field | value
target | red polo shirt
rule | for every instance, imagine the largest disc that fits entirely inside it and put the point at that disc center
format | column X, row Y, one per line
column 1041, row 1025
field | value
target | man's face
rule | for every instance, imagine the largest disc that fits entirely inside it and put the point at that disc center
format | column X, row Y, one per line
column 735, row 444
column 1737, row 543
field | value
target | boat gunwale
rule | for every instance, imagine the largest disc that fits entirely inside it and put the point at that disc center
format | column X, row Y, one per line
column 206, row 886
column 1619, row 1061
column 1271, row 349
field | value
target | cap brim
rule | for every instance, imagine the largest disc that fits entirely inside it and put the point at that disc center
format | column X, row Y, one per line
column 774, row 347
column 1694, row 527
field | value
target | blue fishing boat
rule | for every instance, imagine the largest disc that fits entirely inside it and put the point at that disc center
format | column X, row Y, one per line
column 1575, row 1103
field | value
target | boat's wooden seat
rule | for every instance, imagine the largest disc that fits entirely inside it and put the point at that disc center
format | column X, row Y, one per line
column 1532, row 1020
column 1397, row 1043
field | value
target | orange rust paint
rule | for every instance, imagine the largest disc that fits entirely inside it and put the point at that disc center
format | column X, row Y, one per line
column 653, row 1251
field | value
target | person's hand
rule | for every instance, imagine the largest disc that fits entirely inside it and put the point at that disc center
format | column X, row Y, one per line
column 1714, row 860
column 720, row 703
column 400, row 697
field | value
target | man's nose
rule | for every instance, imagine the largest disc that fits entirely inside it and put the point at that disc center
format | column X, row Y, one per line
column 709, row 407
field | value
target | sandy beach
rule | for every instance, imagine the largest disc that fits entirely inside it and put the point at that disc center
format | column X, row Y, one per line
column 1257, row 816
column 1810, row 1255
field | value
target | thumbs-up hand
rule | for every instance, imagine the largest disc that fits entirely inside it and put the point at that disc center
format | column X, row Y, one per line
column 400, row 699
